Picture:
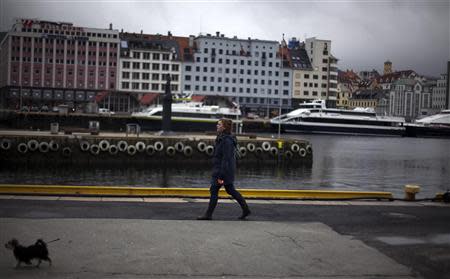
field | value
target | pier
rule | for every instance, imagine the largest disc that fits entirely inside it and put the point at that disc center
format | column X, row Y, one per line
column 91, row 146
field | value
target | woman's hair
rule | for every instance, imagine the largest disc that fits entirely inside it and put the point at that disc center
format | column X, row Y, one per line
column 227, row 124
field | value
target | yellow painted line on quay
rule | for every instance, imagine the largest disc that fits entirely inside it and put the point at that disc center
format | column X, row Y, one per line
column 13, row 189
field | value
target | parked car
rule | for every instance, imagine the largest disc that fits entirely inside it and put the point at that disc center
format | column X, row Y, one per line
column 55, row 109
column 25, row 109
column 44, row 108
column 105, row 111
column 34, row 108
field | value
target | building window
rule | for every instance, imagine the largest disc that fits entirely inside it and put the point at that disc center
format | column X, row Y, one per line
column 125, row 85
column 136, row 55
column 126, row 65
column 165, row 56
column 136, row 65
column 155, row 86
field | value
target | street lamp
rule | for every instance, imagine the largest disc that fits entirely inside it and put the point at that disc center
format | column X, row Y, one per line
column 281, row 89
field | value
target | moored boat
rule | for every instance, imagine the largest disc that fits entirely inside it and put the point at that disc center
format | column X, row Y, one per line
column 315, row 117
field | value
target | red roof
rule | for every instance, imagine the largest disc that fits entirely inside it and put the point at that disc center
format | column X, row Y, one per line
column 148, row 98
column 388, row 78
column 198, row 98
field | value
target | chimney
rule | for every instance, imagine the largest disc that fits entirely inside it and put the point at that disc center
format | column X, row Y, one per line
column 191, row 41
column 169, row 34
column 110, row 26
column 217, row 34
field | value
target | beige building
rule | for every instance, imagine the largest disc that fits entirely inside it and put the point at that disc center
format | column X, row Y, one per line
column 314, row 72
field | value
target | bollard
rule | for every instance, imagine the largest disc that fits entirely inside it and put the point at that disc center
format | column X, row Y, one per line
column 94, row 127
column 280, row 144
column 54, row 128
column 411, row 191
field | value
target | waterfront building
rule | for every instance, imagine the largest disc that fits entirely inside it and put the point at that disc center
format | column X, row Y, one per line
column 254, row 73
column 343, row 95
column 302, row 73
column 147, row 60
column 386, row 81
column 50, row 63
column 409, row 98
column 439, row 95
column 377, row 99
column 315, row 71
column 324, row 67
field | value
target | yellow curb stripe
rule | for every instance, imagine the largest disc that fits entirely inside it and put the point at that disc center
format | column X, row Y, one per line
column 12, row 189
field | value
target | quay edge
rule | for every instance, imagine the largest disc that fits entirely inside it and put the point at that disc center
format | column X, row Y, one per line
column 85, row 148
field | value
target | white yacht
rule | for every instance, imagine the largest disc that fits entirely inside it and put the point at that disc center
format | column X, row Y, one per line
column 440, row 119
column 315, row 117
column 192, row 112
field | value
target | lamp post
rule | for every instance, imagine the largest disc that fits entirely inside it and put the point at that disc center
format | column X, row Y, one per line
column 281, row 89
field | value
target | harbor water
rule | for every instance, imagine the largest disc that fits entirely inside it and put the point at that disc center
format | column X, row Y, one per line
column 339, row 163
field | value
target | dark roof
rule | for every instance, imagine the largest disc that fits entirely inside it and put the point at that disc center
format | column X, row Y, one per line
column 160, row 42
column 368, row 94
column 300, row 59
column 391, row 77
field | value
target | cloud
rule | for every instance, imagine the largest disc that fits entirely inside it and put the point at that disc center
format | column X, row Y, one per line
column 412, row 34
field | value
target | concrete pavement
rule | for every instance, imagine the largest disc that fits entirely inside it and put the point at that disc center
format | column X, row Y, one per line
column 159, row 238
column 104, row 248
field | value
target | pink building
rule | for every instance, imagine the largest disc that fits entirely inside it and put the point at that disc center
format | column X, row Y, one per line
column 51, row 63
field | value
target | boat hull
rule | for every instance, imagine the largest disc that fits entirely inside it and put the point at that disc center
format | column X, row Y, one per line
column 335, row 129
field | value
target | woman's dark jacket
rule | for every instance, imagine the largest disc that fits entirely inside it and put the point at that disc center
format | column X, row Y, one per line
column 224, row 159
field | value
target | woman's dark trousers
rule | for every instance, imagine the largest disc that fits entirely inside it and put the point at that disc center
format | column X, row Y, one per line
column 214, row 191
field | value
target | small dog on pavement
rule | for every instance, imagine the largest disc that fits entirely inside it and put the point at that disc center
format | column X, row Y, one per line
column 24, row 254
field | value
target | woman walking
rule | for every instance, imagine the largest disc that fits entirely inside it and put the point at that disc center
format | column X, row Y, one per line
column 224, row 167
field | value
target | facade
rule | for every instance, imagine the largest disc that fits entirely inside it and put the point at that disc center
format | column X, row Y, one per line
column 325, row 70
column 146, row 61
column 55, row 63
column 439, row 95
column 249, row 72
column 343, row 96
column 376, row 99
column 302, row 70
column 408, row 98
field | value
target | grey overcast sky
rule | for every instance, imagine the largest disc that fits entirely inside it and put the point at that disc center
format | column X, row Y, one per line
column 413, row 34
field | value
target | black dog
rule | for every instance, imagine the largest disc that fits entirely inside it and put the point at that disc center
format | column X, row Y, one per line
column 26, row 254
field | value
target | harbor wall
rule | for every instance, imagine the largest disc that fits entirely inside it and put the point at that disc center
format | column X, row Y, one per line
column 85, row 148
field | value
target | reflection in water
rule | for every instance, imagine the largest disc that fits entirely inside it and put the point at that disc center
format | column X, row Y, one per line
column 153, row 175
column 340, row 162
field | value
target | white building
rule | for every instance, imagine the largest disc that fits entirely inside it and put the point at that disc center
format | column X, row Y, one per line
column 407, row 98
column 145, row 63
column 248, row 71
column 439, row 96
